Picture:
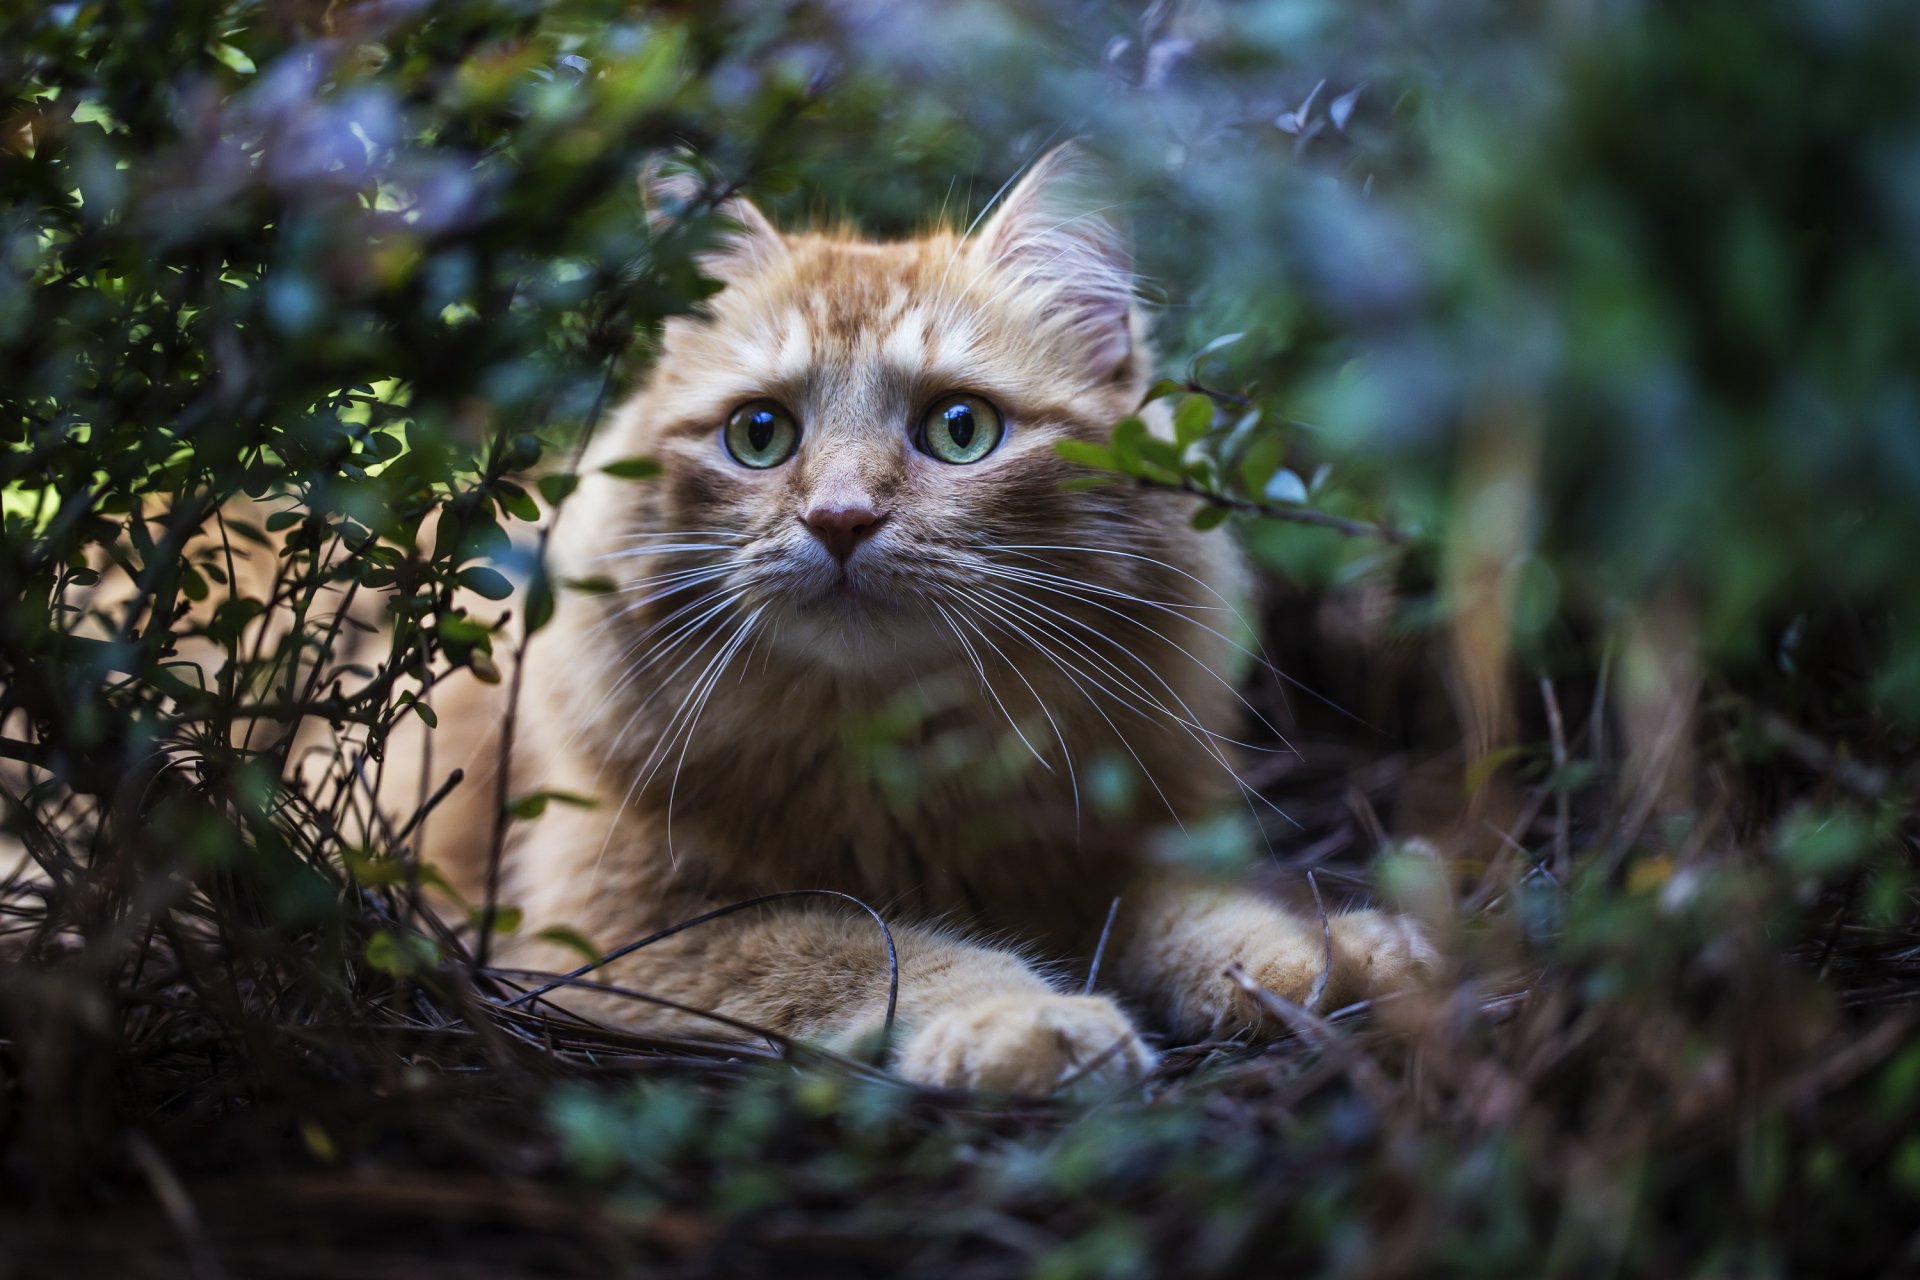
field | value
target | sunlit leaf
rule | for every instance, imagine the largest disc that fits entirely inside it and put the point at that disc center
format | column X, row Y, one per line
column 632, row 468
column 1284, row 486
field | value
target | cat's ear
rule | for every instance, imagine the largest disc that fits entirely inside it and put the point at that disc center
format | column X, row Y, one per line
column 1052, row 235
column 671, row 187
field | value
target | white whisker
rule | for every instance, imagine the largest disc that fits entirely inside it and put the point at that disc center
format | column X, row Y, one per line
column 1001, row 571
column 615, row 688
column 1203, row 738
column 666, row 534
column 981, row 670
column 662, row 649
column 673, row 789
column 1202, row 583
column 1125, row 743
column 1073, row 781
column 1191, row 719
column 669, row 732
column 1206, row 739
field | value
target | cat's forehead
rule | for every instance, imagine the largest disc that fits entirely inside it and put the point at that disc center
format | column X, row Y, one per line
column 832, row 310
column 833, row 299
column 850, row 285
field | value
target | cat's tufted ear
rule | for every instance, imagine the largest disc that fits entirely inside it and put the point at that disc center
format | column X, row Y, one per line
column 671, row 188
column 1049, row 233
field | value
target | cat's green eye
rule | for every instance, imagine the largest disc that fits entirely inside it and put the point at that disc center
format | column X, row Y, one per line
column 761, row 434
column 961, row 428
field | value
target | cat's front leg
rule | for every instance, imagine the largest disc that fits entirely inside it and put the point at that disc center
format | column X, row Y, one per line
column 980, row 1017
column 1180, row 941
column 969, row 1015
column 1026, row 1042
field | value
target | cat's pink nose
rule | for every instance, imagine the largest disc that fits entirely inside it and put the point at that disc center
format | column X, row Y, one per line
column 841, row 526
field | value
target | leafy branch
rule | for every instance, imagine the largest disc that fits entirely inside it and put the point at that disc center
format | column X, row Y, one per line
column 1224, row 449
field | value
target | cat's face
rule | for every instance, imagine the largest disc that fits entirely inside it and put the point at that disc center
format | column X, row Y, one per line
column 858, row 439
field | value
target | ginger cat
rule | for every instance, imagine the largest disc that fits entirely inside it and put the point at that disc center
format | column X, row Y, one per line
column 861, row 638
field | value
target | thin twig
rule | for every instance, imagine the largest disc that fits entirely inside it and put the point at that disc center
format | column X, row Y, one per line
column 454, row 779
column 1869, row 782
column 177, row 1205
column 886, row 936
column 1326, row 944
column 1318, row 1031
column 1292, row 515
column 1100, row 947
column 786, row 1042
column 1194, row 386
column 1597, row 715
column 1092, row 1065
column 503, row 767
column 1562, row 800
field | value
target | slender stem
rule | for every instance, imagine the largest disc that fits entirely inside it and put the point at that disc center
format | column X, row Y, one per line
column 503, row 768
column 1292, row 515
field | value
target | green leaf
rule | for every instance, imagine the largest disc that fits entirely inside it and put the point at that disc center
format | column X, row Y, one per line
column 632, row 469
column 1220, row 343
column 1485, row 767
column 523, row 452
column 1128, row 435
column 231, row 618
column 432, row 877
column 572, row 939
column 386, row 954
column 516, row 501
column 1821, row 842
column 1097, row 456
column 505, row 919
column 1261, row 459
column 372, row 870
column 1164, row 454
column 1080, row 484
column 556, row 487
column 528, row 806
column 490, row 583
column 401, row 954
column 460, row 633
column 461, row 538
column 1210, row 515
column 231, row 57
column 1192, row 419
column 534, row 803
column 539, row 600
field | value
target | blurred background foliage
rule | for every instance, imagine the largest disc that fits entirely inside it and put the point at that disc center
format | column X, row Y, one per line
column 1558, row 359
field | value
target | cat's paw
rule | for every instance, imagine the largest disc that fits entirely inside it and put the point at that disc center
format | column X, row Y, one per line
column 1376, row 954
column 1373, row 954
column 1027, row 1044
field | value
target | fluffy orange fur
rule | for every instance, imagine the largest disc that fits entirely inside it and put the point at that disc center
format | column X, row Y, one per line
column 869, row 670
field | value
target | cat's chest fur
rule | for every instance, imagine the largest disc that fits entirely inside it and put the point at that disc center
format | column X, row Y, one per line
column 915, row 792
